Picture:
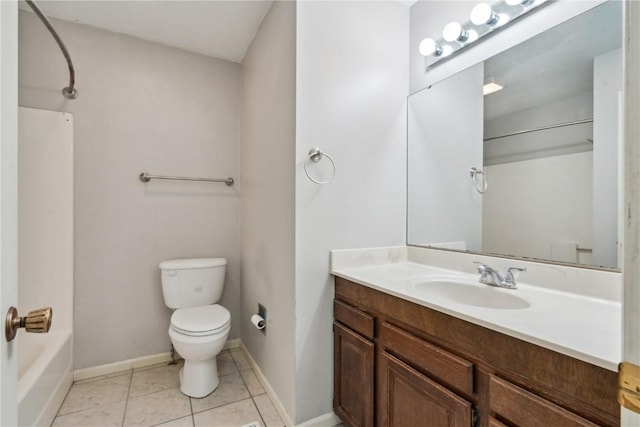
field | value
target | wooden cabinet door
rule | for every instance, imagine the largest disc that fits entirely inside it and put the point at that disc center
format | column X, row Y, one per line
column 408, row 398
column 353, row 371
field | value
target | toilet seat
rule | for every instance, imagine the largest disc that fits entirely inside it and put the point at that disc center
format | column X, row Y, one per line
column 201, row 321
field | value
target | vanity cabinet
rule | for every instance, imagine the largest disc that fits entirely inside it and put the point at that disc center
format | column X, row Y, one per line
column 353, row 360
column 398, row 363
column 525, row 409
column 408, row 398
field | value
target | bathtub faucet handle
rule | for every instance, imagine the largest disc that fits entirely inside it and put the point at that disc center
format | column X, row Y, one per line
column 38, row 321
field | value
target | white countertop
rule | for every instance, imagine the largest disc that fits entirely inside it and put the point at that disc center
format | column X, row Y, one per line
column 583, row 327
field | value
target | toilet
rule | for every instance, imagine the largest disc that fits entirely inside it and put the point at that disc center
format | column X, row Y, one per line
column 199, row 327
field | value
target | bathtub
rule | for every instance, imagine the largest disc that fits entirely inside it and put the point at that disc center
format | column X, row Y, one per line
column 44, row 375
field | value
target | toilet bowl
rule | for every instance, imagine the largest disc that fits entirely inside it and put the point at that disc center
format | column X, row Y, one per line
column 198, row 334
column 199, row 328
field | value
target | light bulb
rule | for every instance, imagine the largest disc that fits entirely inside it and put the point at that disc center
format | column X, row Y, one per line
column 428, row 47
column 482, row 14
column 446, row 51
column 453, row 31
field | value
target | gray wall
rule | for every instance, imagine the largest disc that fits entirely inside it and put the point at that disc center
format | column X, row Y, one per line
column 607, row 87
column 268, row 197
column 443, row 204
column 142, row 107
column 352, row 83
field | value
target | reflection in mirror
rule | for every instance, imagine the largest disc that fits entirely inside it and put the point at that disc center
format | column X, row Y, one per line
column 530, row 170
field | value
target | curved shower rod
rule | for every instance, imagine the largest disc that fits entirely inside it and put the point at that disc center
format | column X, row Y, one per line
column 68, row 92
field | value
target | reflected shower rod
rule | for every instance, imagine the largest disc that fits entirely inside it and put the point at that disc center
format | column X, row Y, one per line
column 560, row 125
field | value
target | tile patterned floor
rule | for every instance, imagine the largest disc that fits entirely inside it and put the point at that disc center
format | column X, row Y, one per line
column 151, row 396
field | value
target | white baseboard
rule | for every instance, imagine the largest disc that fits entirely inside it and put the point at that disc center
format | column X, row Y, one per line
column 272, row 395
column 326, row 420
column 232, row 344
column 124, row 365
column 138, row 362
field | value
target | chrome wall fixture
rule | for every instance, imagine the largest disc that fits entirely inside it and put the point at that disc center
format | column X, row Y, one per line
column 146, row 177
column 315, row 155
column 559, row 125
column 483, row 20
column 480, row 185
column 70, row 91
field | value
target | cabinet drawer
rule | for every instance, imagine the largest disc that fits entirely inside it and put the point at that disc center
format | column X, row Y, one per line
column 435, row 361
column 522, row 408
column 355, row 319
column 495, row 423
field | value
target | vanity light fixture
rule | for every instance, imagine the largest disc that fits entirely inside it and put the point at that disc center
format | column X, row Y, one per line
column 519, row 2
column 484, row 19
column 492, row 85
column 482, row 14
column 429, row 46
column 454, row 32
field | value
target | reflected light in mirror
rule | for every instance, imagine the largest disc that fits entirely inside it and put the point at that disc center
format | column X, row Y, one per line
column 491, row 86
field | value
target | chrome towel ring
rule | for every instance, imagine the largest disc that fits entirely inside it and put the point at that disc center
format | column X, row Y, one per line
column 315, row 155
column 481, row 187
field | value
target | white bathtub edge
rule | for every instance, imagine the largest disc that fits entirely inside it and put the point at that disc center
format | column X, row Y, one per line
column 138, row 362
column 50, row 411
column 44, row 385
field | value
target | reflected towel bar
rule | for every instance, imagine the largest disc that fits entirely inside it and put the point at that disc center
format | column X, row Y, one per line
column 146, row 177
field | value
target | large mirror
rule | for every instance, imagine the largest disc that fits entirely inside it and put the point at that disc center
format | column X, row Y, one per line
column 531, row 170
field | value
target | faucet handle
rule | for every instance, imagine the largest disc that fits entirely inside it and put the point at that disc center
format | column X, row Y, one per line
column 482, row 268
column 512, row 274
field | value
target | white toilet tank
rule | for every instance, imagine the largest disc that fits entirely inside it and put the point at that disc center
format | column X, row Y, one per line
column 192, row 282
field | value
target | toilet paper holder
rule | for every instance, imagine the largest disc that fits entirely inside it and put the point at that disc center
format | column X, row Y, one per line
column 259, row 320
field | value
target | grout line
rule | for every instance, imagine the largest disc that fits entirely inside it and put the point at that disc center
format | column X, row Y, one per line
column 62, row 404
column 259, row 413
column 251, row 396
column 193, row 418
column 275, row 400
column 222, row 406
column 126, row 402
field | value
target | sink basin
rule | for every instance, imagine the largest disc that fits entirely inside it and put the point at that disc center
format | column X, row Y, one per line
column 475, row 295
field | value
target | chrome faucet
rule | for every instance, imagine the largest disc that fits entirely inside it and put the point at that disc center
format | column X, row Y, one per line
column 490, row 276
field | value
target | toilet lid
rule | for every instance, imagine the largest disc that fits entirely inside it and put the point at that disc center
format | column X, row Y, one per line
column 196, row 320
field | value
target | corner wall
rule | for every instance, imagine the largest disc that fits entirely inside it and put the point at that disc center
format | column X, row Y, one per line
column 267, row 219
column 142, row 107
column 352, row 83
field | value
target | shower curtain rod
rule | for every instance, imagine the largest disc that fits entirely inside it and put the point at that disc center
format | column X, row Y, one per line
column 68, row 92
column 561, row 125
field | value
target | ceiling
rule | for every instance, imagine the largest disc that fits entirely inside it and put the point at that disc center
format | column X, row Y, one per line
column 554, row 65
column 221, row 29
